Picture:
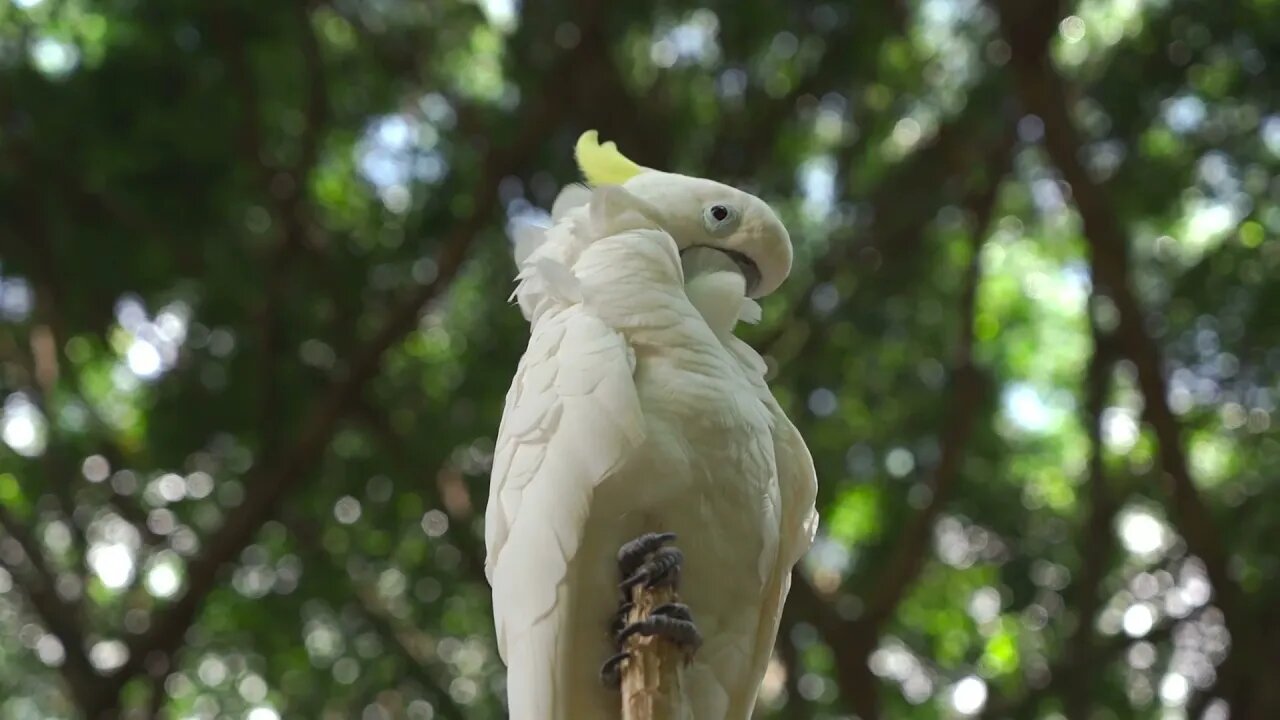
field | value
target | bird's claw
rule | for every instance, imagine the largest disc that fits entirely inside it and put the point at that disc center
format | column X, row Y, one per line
column 660, row 568
column 672, row 621
column 677, row 611
column 611, row 671
column 648, row 561
column 633, row 554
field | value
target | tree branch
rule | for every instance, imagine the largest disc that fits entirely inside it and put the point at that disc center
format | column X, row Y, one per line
column 459, row 533
column 853, row 641
column 45, row 337
column 266, row 487
column 1096, row 538
column 279, row 190
column 967, row 384
column 316, row 111
column 404, row 640
column 851, row 644
column 903, row 203
column 798, row 707
column 59, row 472
column 59, row 617
column 1043, row 92
column 159, row 697
column 769, row 115
column 1098, row 656
column 653, row 685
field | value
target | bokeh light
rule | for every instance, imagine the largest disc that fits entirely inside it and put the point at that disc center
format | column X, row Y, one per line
column 256, row 338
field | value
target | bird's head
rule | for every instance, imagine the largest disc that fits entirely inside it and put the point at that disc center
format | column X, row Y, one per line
column 697, row 212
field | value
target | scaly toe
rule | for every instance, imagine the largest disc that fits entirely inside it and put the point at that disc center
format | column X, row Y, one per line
column 661, row 569
column 676, row 611
column 611, row 670
column 632, row 555
column 681, row 632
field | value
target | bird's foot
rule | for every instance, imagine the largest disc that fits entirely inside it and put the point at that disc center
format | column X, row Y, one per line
column 672, row 622
column 611, row 671
column 634, row 554
column 649, row 562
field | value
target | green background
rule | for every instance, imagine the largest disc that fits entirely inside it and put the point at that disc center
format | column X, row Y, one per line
column 255, row 340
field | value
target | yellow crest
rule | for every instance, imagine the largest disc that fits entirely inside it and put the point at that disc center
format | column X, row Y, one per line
column 603, row 164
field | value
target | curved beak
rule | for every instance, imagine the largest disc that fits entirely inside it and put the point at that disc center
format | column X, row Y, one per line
column 750, row 271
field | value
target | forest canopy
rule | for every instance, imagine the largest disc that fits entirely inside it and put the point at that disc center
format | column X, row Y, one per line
column 255, row 337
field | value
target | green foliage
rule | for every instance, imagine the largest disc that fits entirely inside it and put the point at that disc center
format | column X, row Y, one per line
column 256, row 338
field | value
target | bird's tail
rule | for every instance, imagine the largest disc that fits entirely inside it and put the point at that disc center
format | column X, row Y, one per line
column 531, row 678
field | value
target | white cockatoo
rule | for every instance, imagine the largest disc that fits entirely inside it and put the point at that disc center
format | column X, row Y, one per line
column 634, row 411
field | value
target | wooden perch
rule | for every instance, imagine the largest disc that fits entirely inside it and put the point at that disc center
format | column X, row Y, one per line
column 653, row 677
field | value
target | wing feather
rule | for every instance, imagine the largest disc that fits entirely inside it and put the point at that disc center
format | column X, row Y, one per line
column 798, row 491
column 572, row 418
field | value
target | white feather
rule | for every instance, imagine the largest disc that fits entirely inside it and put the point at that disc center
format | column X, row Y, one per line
column 571, row 418
column 559, row 280
column 798, row 483
column 571, row 197
column 526, row 237
column 529, row 232
column 628, row 412
column 614, row 210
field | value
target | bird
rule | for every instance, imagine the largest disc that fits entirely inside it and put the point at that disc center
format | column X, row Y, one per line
column 640, row 441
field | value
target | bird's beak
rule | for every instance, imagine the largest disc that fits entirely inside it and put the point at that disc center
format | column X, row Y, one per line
column 748, row 267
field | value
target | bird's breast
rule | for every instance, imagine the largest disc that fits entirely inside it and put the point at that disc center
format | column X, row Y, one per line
column 707, row 471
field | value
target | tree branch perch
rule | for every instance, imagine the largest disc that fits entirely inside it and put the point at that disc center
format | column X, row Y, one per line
column 652, row 678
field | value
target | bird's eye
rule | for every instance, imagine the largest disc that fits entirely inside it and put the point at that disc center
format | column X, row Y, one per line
column 720, row 219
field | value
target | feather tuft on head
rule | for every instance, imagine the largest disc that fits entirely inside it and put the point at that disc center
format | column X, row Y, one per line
column 603, row 164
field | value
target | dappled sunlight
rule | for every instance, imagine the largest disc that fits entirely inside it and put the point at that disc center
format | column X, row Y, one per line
column 256, row 338
column 694, row 41
column 1097, row 26
column 22, row 426
column 53, row 57
column 1142, row 533
column 113, row 564
column 969, row 695
column 164, row 578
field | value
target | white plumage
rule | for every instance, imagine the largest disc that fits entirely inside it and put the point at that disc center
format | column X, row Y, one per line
column 635, row 409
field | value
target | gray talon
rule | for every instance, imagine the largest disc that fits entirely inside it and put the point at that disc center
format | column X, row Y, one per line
column 632, row 555
column 648, row 561
column 680, row 631
column 675, row 611
column 611, row 671
column 662, row 568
